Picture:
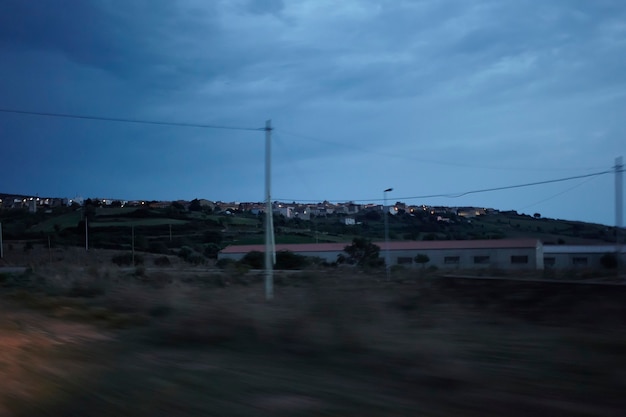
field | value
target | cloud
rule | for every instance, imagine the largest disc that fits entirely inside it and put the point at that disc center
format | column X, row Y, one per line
column 462, row 93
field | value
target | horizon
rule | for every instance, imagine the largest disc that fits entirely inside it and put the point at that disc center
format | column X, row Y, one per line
column 390, row 203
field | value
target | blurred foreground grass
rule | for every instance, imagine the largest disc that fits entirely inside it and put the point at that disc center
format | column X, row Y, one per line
column 103, row 342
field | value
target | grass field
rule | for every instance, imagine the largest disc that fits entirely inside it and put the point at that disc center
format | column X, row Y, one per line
column 113, row 211
column 137, row 222
column 235, row 220
column 260, row 239
column 63, row 221
column 101, row 341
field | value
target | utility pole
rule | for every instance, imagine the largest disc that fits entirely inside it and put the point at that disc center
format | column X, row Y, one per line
column 270, row 256
column 619, row 209
column 170, row 232
column 386, row 214
column 1, row 244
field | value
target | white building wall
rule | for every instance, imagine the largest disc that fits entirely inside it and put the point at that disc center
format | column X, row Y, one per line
column 578, row 256
column 498, row 258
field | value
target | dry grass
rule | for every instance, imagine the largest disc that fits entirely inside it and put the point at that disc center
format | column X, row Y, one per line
column 329, row 344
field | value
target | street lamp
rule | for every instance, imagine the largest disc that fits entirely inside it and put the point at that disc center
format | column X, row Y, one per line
column 385, row 214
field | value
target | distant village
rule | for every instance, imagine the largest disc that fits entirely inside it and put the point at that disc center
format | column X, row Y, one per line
column 290, row 210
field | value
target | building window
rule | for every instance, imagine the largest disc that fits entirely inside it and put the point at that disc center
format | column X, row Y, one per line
column 481, row 259
column 452, row 260
column 403, row 260
column 519, row 259
column 579, row 261
column 549, row 261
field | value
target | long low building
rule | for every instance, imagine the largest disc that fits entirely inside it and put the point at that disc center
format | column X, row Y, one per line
column 461, row 254
column 581, row 256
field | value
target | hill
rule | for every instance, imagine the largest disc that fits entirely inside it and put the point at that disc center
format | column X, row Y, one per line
column 201, row 233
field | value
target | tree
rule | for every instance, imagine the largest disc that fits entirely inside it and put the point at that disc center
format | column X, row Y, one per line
column 194, row 205
column 373, row 216
column 537, row 216
column 254, row 259
column 289, row 260
column 609, row 261
column 363, row 252
column 93, row 202
column 177, row 206
column 212, row 236
column 421, row 258
column 211, row 250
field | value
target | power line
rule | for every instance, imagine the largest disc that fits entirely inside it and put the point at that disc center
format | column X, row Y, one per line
column 126, row 120
column 559, row 193
column 484, row 190
column 416, row 159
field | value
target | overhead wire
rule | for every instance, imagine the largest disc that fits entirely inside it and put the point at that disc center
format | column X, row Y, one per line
column 559, row 193
column 127, row 120
column 484, row 190
column 212, row 126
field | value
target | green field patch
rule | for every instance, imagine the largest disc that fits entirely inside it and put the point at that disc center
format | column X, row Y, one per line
column 108, row 211
column 234, row 220
column 63, row 221
column 138, row 222
column 288, row 239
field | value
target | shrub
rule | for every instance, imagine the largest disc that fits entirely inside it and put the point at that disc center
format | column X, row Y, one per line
column 609, row 261
column 422, row 259
column 196, row 259
column 185, row 252
column 289, row 260
column 162, row 261
column 190, row 255
column 126, row 259
column 254, row 259
column 363, row 252
column 224, row 262
column 211, row 250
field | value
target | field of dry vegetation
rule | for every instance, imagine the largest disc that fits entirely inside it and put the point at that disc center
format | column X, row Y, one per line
column 103, row 341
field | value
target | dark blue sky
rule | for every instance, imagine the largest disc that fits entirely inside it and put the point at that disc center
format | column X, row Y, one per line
column 428, row 97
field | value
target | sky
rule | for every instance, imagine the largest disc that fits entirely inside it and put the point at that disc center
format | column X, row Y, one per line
column 428, row 97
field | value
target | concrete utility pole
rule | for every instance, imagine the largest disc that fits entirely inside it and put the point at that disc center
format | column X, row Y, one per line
column 385, row 214
column 270, row 256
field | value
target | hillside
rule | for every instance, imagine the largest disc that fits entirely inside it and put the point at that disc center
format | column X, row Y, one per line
column 201, row 233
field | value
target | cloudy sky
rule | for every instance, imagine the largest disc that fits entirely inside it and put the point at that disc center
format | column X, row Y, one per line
column 429, row 97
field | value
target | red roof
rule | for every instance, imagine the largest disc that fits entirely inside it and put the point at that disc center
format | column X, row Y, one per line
column 394, row 245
